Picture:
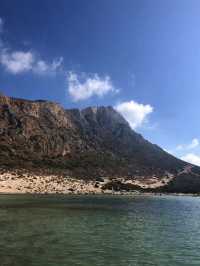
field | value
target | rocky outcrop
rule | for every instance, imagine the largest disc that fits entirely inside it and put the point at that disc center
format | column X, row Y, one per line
column 88, row 143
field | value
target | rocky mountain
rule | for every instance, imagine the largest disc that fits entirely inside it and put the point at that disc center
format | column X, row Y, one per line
column 90, row 143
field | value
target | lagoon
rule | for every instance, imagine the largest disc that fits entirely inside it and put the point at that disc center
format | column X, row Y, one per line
column 97, row 230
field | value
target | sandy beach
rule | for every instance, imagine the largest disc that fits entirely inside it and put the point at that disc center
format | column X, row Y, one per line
column 21, row 181
column 14, row 182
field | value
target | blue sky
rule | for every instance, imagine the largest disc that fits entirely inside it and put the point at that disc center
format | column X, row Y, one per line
column 142, row 57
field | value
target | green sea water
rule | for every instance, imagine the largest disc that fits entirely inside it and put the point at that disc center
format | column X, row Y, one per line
column 99, row 230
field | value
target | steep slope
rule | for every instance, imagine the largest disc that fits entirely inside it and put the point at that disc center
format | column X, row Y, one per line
column 88, row 143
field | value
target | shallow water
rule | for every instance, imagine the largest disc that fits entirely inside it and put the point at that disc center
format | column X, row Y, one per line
column 99, row 230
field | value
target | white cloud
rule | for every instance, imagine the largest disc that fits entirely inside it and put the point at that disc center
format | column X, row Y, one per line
column 194, row 143
column 179, row 147
column 191, row 158
column 19, row 62
column 57, row 63
column 134, row 112
column 82, row 87
column 41, row 67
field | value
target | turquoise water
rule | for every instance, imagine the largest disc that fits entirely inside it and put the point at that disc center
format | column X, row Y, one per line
column 99, row 230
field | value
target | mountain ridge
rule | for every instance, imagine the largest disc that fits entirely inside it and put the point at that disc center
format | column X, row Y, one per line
column 87, row 143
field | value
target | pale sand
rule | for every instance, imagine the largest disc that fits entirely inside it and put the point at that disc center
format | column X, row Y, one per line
column 22, row 182
column 11, row 182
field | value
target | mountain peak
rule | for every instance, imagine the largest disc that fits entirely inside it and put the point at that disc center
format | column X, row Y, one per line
column 105, row 115
column 94, row 141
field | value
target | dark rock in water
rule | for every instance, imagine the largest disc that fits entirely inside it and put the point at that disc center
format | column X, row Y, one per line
column 88, row 143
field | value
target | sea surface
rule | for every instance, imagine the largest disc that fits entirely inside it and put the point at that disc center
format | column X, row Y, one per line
column 99, row 230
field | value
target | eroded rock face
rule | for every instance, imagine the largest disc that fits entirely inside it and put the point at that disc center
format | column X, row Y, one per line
column 96, row 141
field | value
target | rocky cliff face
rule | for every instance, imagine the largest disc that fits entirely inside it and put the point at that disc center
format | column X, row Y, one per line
column 88, row 143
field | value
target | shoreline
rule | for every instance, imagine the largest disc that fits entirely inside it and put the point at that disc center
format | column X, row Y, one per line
column 17, row 182
column 133, row 194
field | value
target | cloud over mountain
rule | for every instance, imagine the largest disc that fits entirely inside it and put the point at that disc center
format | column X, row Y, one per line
column 135, row 113
column 191, row 158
